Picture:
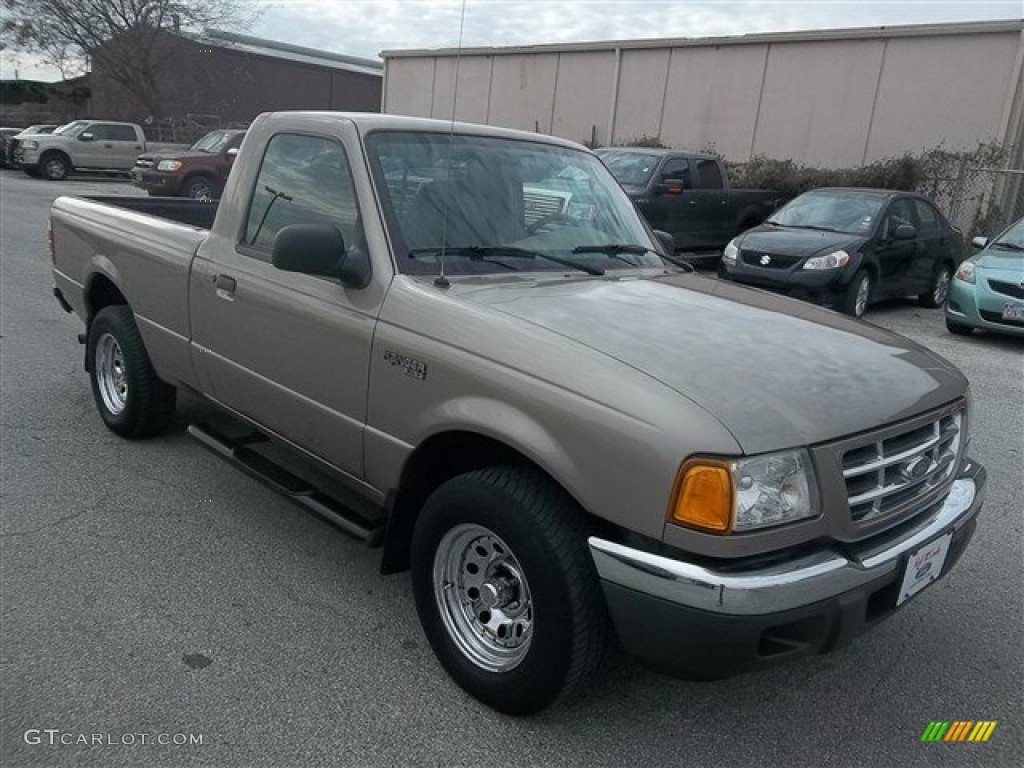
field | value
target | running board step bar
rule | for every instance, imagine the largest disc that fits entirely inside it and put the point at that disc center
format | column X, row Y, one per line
column 240, row 454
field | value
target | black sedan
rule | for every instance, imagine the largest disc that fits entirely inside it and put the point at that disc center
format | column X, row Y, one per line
column 849, row 247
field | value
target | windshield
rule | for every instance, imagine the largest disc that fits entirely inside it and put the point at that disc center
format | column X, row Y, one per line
column 633, row 169
column 835, row 210
column 1011, row 239
column 213, row 142
column 71, row 129
column 501, row 205
column 38, row 129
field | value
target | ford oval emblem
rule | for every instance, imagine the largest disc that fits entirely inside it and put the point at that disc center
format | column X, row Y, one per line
column 766, row 260
column 917, row 468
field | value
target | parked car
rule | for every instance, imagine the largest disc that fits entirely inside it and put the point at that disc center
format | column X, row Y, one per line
column 9, row 150
column 6, row 134
column 198, row 172
column 688, row 195
column 988, row 288
column 84, row 145
column 850, row 247
column 555, row 429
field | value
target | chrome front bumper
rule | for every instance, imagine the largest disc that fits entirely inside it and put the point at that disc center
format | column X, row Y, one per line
column 809, row 579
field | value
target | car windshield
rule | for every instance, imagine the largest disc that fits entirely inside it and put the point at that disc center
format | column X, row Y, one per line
column 1012, row 239
column 38, row 129
column 71, row 129
column 502, row 205
column 632, row 169
column 834, row 210
column 213, row 142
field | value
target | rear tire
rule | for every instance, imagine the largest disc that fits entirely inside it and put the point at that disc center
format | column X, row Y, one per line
column 957, row 329
column 131, row 399
column 857, row 295
column 936, row 294
column 505, row 588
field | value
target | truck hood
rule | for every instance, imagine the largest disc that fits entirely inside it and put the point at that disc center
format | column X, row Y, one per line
column 801, row 243
column 175, row 154
column 775, row 372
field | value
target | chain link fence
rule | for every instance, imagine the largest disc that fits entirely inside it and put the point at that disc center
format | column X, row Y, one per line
column 980, row 201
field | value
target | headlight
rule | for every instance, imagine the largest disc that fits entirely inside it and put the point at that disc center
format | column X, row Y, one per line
column 168, row 165
column 730, row 253
column 965, row 272
column 745, row 494
column 833, row 260
column 30, row 145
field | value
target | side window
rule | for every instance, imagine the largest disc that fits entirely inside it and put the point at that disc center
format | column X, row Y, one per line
column 121, row 133
column 100, row 132
column 677, row 168
column 928, row 217
column 708, row 174
column 901, row 211
column 303, row 180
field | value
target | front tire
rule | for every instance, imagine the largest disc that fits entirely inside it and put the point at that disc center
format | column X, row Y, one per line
column 131, row 399
column 505, row 589
column 200, row 188
column 957, row 329
column 936, row 294
column 54, row 167
column 857, row 295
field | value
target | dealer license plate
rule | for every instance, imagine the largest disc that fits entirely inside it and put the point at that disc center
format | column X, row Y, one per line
column 1013, row 312
column 924, row 567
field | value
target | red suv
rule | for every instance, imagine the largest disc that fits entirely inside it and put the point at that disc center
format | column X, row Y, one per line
column 198, row 172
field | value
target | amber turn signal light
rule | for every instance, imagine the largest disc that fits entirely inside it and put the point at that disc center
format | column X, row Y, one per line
column 702, row 497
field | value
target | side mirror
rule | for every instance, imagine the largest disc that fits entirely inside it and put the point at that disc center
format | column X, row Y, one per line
column 671, row 187
column 231, row 153
column 979, row 242
column 319, row 249
column 86, row 136
column 667, row 241
column 905, row 232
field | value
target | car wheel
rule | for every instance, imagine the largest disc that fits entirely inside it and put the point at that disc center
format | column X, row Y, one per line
column 131, row 399
column 200, row 188
column 935, row 296
column 857, row 294
column 54, row 167
column 957, row 329
column 505, row 588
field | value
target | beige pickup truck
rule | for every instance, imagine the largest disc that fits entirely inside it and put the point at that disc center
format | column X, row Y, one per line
column 462, row 344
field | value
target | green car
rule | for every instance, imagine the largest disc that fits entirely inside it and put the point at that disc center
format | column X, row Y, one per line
column 988, row 288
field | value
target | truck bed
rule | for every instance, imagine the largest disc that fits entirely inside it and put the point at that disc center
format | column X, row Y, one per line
column 145, row 247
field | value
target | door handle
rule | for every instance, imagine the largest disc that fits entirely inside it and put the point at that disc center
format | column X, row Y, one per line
column 225, row 287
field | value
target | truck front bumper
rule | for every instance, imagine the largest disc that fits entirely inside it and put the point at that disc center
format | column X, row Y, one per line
column 707, row 623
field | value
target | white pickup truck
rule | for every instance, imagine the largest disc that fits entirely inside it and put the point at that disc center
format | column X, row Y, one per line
column 84, row 145
column 464, row 344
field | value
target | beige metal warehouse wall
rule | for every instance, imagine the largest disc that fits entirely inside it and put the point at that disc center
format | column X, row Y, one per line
column 832, row 99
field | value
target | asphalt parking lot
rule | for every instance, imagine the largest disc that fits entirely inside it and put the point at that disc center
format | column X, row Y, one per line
column 150, row 589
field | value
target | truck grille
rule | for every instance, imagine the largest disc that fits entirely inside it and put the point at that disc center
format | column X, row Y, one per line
column 887, row 475
column 140, row 163
column 1007, row 289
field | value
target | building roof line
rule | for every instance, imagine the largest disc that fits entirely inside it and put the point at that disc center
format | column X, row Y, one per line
column 297, row 53
column 760, row 38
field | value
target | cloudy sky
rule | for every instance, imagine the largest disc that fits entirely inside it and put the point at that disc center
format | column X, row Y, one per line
column 367, row 27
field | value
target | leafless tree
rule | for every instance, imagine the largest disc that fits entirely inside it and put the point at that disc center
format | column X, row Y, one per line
column 128, row 39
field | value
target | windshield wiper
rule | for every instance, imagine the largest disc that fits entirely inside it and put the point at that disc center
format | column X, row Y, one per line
column 812, row 226
column 1008, row 246
column 615, row 249
column 484, row 252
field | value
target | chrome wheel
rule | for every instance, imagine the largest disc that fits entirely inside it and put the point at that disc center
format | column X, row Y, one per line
column 860, row 304
column 55, row 169
column 941, row 288
column 483, row 597
column 200, row 190
column 111, row 375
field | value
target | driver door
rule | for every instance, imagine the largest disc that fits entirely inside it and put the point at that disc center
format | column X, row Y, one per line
column 289, row 350
column 896, row 257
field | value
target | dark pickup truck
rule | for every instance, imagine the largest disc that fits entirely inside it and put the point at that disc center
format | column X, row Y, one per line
column 688, row 195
